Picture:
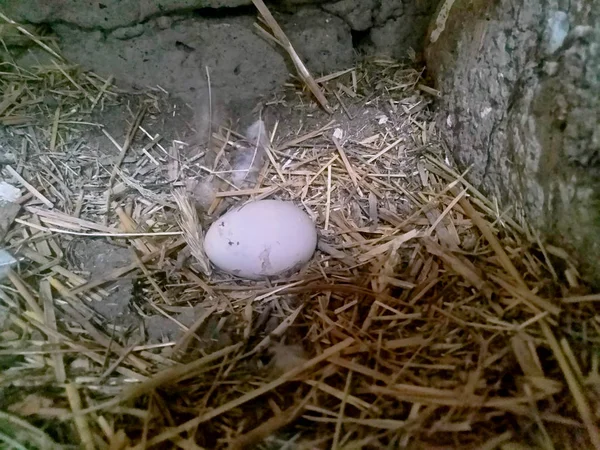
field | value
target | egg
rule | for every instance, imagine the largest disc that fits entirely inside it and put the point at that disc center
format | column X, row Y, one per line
column 261, row 239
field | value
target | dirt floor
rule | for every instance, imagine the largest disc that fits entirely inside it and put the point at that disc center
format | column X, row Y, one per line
column 426, row 319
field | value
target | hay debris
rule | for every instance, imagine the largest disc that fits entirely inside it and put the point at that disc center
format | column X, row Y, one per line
column 427, row 319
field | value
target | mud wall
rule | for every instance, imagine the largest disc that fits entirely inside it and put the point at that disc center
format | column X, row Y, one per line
column 172, row 43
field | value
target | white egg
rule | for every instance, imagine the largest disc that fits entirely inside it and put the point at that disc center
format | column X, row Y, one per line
column 261, row 239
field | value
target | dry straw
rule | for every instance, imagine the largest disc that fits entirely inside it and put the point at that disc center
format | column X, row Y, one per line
column 427, row 319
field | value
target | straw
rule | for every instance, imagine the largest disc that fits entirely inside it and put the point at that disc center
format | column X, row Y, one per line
column 428, row 317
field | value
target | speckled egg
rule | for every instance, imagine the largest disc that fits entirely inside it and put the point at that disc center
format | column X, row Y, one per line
column 261, row 239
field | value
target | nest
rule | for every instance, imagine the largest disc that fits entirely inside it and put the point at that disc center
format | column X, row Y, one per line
column 428, row 318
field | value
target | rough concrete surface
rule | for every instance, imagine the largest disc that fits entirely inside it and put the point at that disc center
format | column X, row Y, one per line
column 323, row 40
column 104, row 14
column 175, row 53
column 358, row 14
column 521, row 105
column 170, row 43
column 390, row 27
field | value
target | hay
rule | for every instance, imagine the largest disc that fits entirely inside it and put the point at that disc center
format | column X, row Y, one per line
column 427, row 319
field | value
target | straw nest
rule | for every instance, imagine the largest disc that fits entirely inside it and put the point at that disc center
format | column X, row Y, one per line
column 427, row 319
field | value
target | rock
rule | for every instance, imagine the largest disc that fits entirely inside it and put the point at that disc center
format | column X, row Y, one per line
column 396, row 40
column 242, row 65
column 520, row 83
column 104, row 14
column 296, row 3
column 390, row 27
column 129, row 32
column 170, row 43
column 357, row 13
column 323, row 40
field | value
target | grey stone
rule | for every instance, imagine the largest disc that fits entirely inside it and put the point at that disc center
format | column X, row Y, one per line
column 557, row 29
column 128, row 32
column 104, row 14
column 521, row 106
column 358, row 14
column 241, row 64
column 164, row 22
column 389, row 9
column 401, row 26
column 395, row 39
column 302, row 2
column 145, row 43
column 392, row 26
column 323, row 40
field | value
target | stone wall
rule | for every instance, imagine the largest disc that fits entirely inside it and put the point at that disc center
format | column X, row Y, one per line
column 171, row 43
column 521, row 106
